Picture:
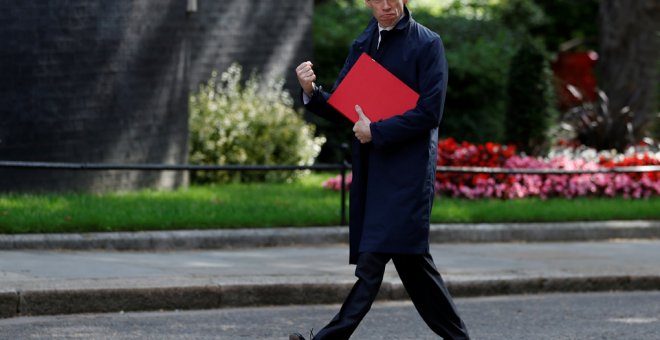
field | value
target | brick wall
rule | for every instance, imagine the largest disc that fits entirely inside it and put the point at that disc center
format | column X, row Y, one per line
column 271, row 37
column 108, row 81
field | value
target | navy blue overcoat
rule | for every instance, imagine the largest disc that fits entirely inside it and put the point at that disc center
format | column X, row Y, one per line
column 394, row 175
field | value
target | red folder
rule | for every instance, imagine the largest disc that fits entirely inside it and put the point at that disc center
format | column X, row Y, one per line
column 380, row 94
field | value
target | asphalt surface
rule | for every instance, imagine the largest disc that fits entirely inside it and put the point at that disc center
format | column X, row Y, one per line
column 611, row 315
column 92, row 273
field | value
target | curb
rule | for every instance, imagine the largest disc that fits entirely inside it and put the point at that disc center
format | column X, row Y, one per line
column 309, row 236
column 544, row 232
column 113, row 300
column 178, row 240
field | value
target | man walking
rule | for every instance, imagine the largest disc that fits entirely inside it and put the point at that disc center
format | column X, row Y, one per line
column 394, row 163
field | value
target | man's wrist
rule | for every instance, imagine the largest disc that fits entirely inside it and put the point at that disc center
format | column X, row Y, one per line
column 310, row 94
column 307, row 97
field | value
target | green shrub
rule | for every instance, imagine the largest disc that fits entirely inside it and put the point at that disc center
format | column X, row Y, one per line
column 251, row 122
column 530, row 109
column 478, row 54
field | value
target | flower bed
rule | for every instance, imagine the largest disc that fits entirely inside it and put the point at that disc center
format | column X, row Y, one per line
column 334, row 183
column 492, row 155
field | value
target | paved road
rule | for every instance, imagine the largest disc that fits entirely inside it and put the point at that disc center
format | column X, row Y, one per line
column 632, row 315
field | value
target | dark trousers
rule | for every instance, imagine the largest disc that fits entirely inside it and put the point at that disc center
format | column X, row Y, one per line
column 422, row 282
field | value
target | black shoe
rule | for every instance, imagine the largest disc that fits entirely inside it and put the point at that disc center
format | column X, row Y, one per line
column 296, row 336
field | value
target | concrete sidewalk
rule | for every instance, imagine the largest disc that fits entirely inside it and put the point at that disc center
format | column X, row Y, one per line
column 46, row 281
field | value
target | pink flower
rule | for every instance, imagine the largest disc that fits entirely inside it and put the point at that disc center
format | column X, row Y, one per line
column 474, row 186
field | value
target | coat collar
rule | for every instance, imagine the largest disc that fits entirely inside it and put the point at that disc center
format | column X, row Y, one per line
column 405, row 22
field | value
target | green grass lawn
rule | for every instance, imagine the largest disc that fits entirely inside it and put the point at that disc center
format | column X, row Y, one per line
column 538, row 210
column 303, row 203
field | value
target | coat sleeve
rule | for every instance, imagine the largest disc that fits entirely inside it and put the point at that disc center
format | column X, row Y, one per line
column 318, row 103
column 432, row 79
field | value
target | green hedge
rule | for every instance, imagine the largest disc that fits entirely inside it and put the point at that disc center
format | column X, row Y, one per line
column 479, row 55
column 530, row 109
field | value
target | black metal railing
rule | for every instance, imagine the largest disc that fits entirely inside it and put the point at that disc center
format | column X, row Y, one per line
column 342, row 168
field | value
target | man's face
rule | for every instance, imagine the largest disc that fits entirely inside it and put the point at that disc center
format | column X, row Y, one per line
column 387, row 12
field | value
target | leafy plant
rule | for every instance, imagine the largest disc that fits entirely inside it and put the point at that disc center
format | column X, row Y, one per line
column 530, row 109
column 590, row 123
column 251, row 122
column 479, row 55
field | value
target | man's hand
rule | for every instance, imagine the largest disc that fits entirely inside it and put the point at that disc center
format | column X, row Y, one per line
column 361, row 128
column 306, row 77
